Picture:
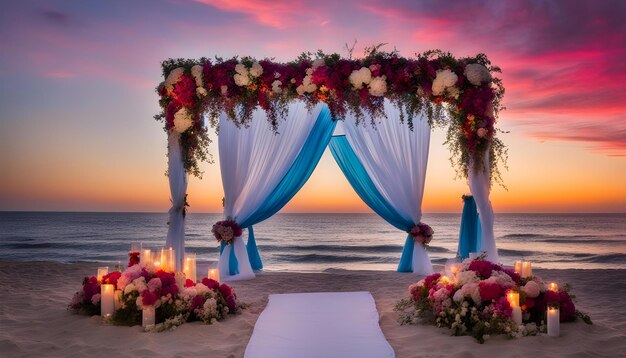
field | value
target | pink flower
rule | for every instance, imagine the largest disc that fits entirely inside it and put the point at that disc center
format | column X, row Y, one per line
column 483, row 268
column 430, row 280
column 148, row 298
column 489, row 291
column 189, row 283
column 210, row 283
column 482, row 132
column 154, row 284
column 532, row 289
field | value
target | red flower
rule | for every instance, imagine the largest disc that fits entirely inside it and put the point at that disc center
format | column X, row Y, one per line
column 210, row 283
column 197, row 302
column 185, row 90
column 489, row 291
column 133, row 258
column 148, row 298
column 552, row 297
column 90, row 288
column 226, row 290
column 189, row 283
column 430, row 280
column 111, row 278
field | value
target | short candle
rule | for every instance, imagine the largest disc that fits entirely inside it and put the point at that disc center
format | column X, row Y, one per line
column 190, row 267
column 107, row 300
column 146, row 256
column 148, row 317
column 214, row 274
column 527, row 269
column 518, row 267
column 102, row 271
column 554, row 329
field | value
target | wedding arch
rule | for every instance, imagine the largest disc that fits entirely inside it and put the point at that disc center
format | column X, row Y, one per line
column 387, row 105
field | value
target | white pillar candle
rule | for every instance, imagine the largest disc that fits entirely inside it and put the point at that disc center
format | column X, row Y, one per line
column 102, row 271
column 553, row 287
column 148, row 317
column 554, row 329
column 117, row 300
column 527, row 269
column 107, row 301
column 517, row 315
column 189, row 267
column 214, row 274
column 518, row 267
column 164, row 263
column 513, row 298
column 171, row 260
column 146, row 256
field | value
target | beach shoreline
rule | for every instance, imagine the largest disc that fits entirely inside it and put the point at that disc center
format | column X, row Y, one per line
column 34, row 320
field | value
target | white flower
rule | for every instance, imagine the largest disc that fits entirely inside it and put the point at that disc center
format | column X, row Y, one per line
column 95, row 298
column 256, row 70
column 182, row 120
column 532, row 289
column 129, row 288
column 201, row 289
column 196, row 72
column 465, row 277
column 276, row 75
column 140, row 284
column 477, row 74
column 276, row 86
column 201, row 92
column 318, row 62
column 242, row 80
column 173, row 77
column 224, row 90
column 378, row 86
column 241, row 69
column 309, row 71
column 307, row 86
column 444, row 80
column 360, row 77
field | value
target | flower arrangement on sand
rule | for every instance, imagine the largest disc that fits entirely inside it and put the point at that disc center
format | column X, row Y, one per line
column 472, row 300
column 175, row 298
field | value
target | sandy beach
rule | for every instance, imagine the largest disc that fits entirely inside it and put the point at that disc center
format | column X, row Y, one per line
column 34, row 320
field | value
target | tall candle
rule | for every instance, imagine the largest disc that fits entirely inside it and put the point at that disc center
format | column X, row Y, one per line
column 117, row 299
column 148, row 317
column 214, row 274
column 553, row 287
column 164, row 263
column 107, row 301
column 189, row 267
column 102, row 271
column 527, row 269
column 554, row 329
column 171, row 261
column 517, row 315
column 518, row 267
column 513, row 298
column 146, row 256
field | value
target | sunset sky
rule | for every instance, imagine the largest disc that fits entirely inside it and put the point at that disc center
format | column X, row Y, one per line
column 77, row 83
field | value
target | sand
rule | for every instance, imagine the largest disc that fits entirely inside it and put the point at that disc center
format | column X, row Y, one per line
column 34, row 320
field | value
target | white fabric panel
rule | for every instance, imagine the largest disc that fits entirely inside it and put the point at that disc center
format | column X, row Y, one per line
column 254, row 160
column 245, row 270
column 396, row 159
column 178, row 188
column 313, row 325
column 479, row 186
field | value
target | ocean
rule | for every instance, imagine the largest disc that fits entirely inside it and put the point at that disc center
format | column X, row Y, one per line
column 315, row 242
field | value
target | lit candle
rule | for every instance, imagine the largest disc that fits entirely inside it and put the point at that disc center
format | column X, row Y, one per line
column 164, row 263
column 214, row 274
column 117, row 299
column 148, row 317
column 171, row 260
column 518, row 267
column 102, row 271
column 527, row 269
column 513, row 298
column 554, row 329
column 107, row 301
column 554, row 287
column 517, row 315
column 146, row 256
column 190, row 267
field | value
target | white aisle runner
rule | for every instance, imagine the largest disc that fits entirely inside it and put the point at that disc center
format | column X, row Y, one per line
column 319, row 325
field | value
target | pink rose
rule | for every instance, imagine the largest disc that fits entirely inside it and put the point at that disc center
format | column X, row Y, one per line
column 532, row 289
column 482, row 132
column 154, row 284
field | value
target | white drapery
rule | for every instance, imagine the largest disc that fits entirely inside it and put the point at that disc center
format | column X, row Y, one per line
column 479, row 186
column 253, row 161
column 395, row 159
column 178, row 188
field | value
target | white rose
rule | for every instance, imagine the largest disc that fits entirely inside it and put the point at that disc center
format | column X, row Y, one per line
column 256, row 70
column 444, row 80
column 241, row 80
column 173, row 77
column 300, row 90
column 241, row 69
column 129, row 288
column 276, row 86
column 182, row 120
column 477, row 74
column 309, row 71
column 201, row 92
column 196, row 72
column 378, row 86
column 360, row 77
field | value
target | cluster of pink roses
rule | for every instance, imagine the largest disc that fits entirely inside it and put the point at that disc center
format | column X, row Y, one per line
column 88, row 299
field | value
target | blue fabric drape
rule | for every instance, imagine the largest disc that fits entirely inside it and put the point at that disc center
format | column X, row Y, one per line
column 356, row 174
column 294, row 179
column 470, row 232
column 233, row 264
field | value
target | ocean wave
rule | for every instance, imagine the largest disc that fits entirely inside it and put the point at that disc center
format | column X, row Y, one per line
column 324, row 258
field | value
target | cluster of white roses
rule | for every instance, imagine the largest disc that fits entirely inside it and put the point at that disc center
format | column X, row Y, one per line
column 363, row 77
column 477, row 74
column 445, row 83
column 244, row 75
column 183, row 119
column 307, row 85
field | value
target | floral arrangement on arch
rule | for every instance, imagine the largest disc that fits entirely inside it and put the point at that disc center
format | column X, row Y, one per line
column 175, row 298
column 226, row 231
column 422, row 234
column 460, row 93
column 472, row 300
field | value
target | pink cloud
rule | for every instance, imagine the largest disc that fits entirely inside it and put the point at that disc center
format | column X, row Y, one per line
column 277, row 14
